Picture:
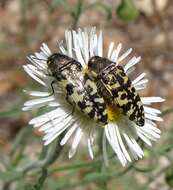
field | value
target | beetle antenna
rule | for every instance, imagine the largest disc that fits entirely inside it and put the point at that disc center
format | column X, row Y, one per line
column 38, row 59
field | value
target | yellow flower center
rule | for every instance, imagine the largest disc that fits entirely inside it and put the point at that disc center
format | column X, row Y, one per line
column 113, row 113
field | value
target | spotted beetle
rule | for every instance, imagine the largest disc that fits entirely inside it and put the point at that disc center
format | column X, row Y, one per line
column 116, row 88
column 80, row 90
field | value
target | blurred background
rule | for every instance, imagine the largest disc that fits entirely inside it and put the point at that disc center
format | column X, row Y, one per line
column 144, row 25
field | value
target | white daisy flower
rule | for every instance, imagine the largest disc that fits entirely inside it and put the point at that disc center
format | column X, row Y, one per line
column 120, row 133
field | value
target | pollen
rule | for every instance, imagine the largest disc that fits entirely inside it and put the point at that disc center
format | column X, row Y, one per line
column 113, row 113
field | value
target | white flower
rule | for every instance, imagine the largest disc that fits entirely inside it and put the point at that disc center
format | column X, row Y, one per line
column 121, row 134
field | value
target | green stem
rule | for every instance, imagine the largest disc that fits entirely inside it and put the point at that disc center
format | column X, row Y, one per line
column 52, row 154
column 23, row 11
column 41, row 180
column 93, row 178
column 76, row 13
column 102, row 5
column 75, row 166
column 20, row 139
column 167, row 111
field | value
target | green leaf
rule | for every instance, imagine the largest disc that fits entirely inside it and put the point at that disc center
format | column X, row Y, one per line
column 127, row 10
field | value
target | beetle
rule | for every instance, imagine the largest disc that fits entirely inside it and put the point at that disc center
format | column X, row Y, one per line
column 116, row 88
column 80, row 90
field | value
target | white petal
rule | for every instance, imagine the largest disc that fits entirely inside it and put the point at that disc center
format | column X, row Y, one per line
column 40, row 56
column 54, row 104
column 134, row 147
column 95, row 48
column 141, row 76
column 68, row 38
column 105, row 154
column 68, row 134
column 44, row 48
column 37, row 93
column 115, row 53
column 113, row 141
column 100, row 45
column 48, row 116
column 113, row 56
column 153, row 117
column 27, row 108
column 30, row 73
column 36, row 106
column 152, row 126
column 85, row 46
column 145, row 139
column 124, row 55
column 41, row 64
column 151, row 134
column 48, row 138
column 91, row 41
column 111, row 46
column 140, row 87
column 119, row 47
column 39, row 101
column 62, row 49
column 130, row 70
column 141, row 82
column 122, row 144
column 36, row 71
column 77, row 49
column 47, row 49
column 51, row 126
column 133, row 61
column 79, row 38
column 131, row 146
column 152, row 99
column 151, row 111
column 54, row 126
column 139, row 151
column 90, row 148
column 75, row 142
